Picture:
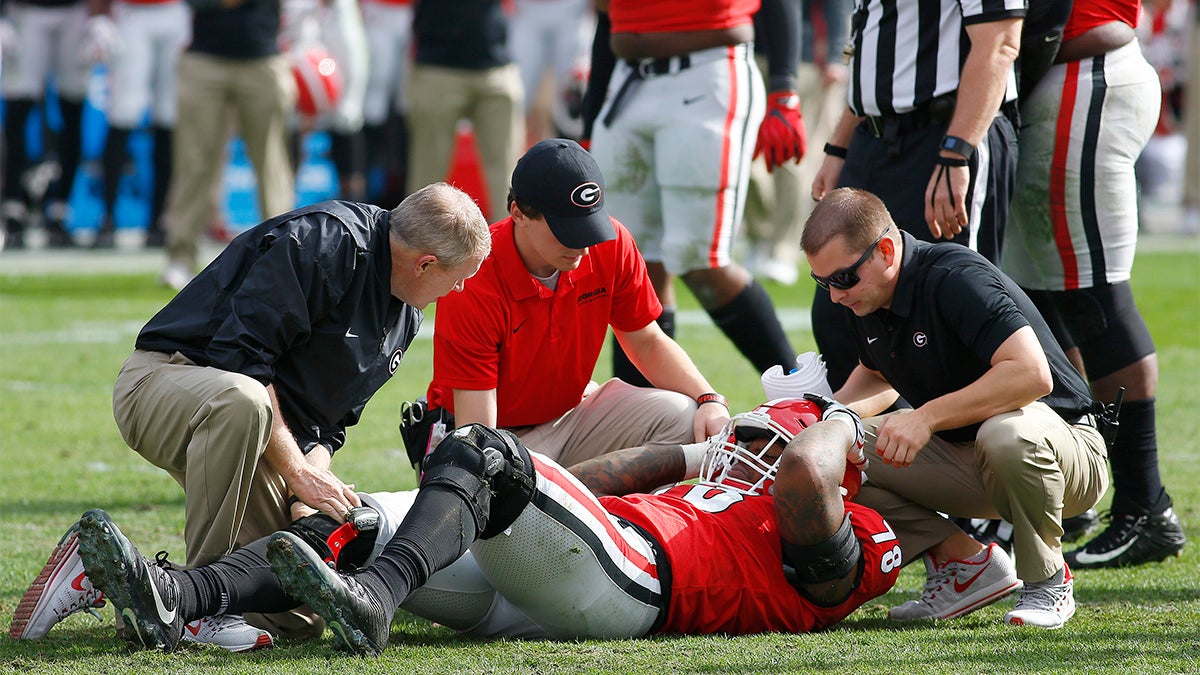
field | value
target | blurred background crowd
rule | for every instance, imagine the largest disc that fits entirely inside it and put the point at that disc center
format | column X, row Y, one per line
column 173, row 123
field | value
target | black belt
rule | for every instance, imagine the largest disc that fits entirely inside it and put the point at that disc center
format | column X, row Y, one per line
column 937, row 110
column 642, row 69
column 647, row 67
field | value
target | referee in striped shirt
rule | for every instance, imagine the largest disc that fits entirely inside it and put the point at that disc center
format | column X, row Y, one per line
column 929, row 128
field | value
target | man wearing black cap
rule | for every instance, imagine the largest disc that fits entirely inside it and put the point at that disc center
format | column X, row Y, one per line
column 517, row 348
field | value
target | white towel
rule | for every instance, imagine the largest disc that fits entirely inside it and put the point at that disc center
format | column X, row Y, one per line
column 808, row 376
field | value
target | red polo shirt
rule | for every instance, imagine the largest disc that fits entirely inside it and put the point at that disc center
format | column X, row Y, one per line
column 536, row 347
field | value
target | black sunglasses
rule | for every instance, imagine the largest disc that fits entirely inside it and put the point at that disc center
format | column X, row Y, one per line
column 847, row 277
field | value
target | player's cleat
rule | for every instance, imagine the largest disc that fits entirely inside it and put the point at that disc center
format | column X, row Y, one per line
column 999, row 532
column 60, row 589
column 142, row 591
column 1078, row 527
column 228, row 631
column 354, row 614
column 957, row 588
column 1131, row 539
column 1048, row 604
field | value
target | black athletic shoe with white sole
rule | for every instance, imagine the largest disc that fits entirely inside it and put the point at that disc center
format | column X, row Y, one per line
column 1131, row 539
column 353, row 612
column 141, row 590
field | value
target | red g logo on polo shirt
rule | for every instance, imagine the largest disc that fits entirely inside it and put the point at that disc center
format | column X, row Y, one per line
column 586, row 195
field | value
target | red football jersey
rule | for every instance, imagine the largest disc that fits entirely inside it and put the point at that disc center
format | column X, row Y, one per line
column 727, row 572
column 537, row 347
column 1087, row 14
column 674, row 16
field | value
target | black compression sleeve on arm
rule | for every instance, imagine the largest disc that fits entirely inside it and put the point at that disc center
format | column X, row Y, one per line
column 603, row 62
column 777, row 27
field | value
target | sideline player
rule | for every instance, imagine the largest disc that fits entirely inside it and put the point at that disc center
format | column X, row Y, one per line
column 1074, row 235
column 675, row 140
column 627, row 555
column 153, row 33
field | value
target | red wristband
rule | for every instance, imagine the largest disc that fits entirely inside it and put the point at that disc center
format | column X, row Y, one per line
column 712, row 397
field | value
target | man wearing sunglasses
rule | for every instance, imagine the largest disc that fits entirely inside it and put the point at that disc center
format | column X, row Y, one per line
column 1001, row 425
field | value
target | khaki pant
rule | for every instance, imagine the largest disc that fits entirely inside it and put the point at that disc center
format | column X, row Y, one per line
column 208, row 429
column 617, row 415
column 491, row 99
column 259, row 97
column 1028, row 467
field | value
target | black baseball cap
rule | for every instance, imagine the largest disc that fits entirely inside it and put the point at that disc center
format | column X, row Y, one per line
column 560, row 179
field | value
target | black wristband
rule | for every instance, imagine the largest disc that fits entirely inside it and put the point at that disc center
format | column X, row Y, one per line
column 292, row 501
column 712, row 397
column 952, row 161
column 957, row 145
column 836, row 150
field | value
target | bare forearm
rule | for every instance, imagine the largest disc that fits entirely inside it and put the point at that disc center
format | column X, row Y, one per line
column 631, row 470
column 282, row 452
column 984, row 78
column 844, row 130
column 866, row 392
column 664, row 362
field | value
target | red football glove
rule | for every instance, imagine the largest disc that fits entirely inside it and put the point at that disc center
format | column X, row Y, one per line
column 852, row 481
column 781, row 136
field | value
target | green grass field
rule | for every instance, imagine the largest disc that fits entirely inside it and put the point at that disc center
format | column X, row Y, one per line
column 63, row 336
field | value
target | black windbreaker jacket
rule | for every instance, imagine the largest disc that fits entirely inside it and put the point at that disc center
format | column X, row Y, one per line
column 302, row 301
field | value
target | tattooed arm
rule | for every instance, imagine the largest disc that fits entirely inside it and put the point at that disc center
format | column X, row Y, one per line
column 640, row 469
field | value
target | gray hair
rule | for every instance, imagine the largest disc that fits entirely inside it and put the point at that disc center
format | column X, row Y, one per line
column 442, row 220
column 856, row 215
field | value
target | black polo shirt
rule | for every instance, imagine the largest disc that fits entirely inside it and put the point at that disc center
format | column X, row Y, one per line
column 951, row 310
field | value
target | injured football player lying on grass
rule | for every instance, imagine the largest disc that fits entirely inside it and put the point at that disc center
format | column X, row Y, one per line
column 501, row 541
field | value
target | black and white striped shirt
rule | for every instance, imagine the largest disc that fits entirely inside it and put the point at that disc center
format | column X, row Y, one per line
column 907, row 52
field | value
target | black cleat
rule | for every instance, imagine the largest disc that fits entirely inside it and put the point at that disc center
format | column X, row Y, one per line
column 141, row 590
column 1131, row 539
column 353, row 612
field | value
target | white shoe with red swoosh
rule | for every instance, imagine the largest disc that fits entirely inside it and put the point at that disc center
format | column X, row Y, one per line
column 228, row 631
column 957, row 587
column 60, row 589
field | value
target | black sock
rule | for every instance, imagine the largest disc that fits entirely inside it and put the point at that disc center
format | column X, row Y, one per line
column 624, row 368
column 438, row 529
column 1137, row 485
column 238, row 583
column 116, row 154
column 162, row 175
column 69, row 148
column 834, row 339
column 749, row 321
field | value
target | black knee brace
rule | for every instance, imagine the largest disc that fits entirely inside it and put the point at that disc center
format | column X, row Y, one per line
column 831, row 559
column 489, row 468
column 347, row 544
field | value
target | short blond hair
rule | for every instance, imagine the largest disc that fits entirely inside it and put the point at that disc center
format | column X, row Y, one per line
column 442, row 220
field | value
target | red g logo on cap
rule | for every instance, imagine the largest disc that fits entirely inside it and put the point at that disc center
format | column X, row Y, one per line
column 586, row 195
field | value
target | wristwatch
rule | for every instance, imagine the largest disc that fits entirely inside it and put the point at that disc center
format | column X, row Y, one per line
column 958, row 146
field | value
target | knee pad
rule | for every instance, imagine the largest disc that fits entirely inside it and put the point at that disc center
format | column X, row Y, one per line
column 831, row 559
column 347, row 544
column 1118, row 335
column 489, row 468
